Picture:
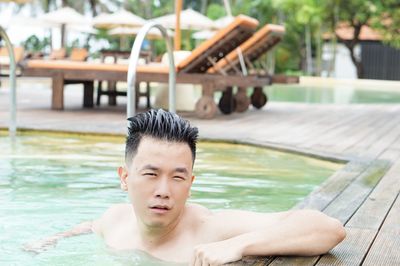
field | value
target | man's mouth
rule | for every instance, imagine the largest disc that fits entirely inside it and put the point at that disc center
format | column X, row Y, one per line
column 160, row 208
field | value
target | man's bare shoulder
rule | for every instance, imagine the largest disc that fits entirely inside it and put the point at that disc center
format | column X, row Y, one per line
column 198, row 209
column 117, row 211
column 197, row 216
column 115, row 214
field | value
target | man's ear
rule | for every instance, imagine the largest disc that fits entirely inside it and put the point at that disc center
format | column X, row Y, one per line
column 190, row 191
column 123, row 176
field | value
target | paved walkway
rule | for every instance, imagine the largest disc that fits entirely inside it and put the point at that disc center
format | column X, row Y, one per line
column 364, row 195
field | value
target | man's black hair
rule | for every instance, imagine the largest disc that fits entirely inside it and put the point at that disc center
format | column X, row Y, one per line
column 162, row 125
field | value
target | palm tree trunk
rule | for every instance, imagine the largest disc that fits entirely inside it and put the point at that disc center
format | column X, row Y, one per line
column 308, row 50
column 318, row 41
column 203, row 8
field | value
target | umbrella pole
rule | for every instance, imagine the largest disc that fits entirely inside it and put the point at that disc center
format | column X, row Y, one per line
column 62, row 35
column 177, row 40
column 228, row 8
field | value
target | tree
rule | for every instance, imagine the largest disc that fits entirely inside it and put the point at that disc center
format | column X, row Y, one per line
column 304, row 23
column 381, row 15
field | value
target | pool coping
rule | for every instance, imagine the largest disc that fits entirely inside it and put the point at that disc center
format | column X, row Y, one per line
column 349, row 162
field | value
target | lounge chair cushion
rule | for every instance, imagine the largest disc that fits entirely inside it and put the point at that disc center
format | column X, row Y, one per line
column 76, row 65
column 223, row 42
column 262, row 41
column 18, row 55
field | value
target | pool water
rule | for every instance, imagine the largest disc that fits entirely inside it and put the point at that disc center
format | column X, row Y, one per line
column 49, row 183
column 330, row 94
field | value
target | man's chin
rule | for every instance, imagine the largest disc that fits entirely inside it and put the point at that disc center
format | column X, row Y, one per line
column 157, row 224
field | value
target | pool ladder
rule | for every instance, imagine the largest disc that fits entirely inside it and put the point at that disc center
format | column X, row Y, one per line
column 133, row 60
column 12, row 127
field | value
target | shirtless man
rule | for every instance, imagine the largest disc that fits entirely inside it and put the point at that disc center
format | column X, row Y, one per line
column 159, row 157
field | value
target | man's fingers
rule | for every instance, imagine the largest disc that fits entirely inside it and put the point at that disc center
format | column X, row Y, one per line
column 192, row 261
column 206, row 262
column 197, row 261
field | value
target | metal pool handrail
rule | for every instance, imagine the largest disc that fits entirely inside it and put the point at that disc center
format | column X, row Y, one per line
column 12, row 128
column 137, row 45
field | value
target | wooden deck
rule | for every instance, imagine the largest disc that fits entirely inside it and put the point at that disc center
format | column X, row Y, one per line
column 364, row 195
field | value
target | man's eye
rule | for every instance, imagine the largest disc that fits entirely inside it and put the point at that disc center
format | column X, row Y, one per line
column 149, row 174
column 179, row 178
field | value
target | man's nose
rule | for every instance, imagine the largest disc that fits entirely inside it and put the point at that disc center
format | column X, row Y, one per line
column 162, row 189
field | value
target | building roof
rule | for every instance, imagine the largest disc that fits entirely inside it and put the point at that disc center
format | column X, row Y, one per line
column 346, row 32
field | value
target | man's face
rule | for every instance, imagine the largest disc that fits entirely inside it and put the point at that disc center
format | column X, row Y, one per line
column 159, row 181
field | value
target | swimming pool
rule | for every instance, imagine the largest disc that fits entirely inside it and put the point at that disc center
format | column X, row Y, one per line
column 49, row 183
column 334, row 93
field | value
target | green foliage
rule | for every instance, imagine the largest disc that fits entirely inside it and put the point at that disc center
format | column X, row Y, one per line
column 34, row 44
column 387, row 22
column 103, row 35
column 215, row 11
column 320, row 16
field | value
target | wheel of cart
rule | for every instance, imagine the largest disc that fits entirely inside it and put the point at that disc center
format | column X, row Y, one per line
column 242, row 100
column 206, row 107
column 258, row 98
column 227, row 102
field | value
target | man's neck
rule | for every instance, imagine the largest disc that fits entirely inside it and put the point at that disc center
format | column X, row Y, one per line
column 153, row 237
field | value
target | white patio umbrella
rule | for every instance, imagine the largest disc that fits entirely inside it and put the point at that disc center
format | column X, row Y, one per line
column 218, row 24
column 189, row 20
column 63, row 17
column 120, row 18
column 16, row 1
column 124, row 32
column 203, row 34
column 152, row 34
column 223, row 22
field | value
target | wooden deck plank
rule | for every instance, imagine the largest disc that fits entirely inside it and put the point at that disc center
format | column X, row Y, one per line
column 308, row 129
column 372, row 212
column 352, row 250
column 344, row 203
column 298, row 261
column 252, row 260
column 344, row 206
column 385, row 140
column 361, row 147
column 288, row 123
column 386, row 248
column 333, row 186
column 307, row 126
column 337, row 128
column 365, row 126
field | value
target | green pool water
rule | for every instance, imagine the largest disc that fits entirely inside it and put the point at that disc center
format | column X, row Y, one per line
column 49, row 183
column 330, row 94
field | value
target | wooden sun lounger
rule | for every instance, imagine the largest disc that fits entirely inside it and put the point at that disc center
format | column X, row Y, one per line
column 191, row 70
column 62, row 72
column 261, row 42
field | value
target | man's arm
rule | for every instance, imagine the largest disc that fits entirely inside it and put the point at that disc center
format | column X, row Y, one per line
column 302, row 232
column 51, row 241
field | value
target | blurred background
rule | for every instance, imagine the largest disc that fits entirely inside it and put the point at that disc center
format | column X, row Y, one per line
column 333, row 38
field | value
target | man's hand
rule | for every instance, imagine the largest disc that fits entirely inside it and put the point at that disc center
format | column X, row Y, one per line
column 216, row 253
column 51, row 241
column 40, row 246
